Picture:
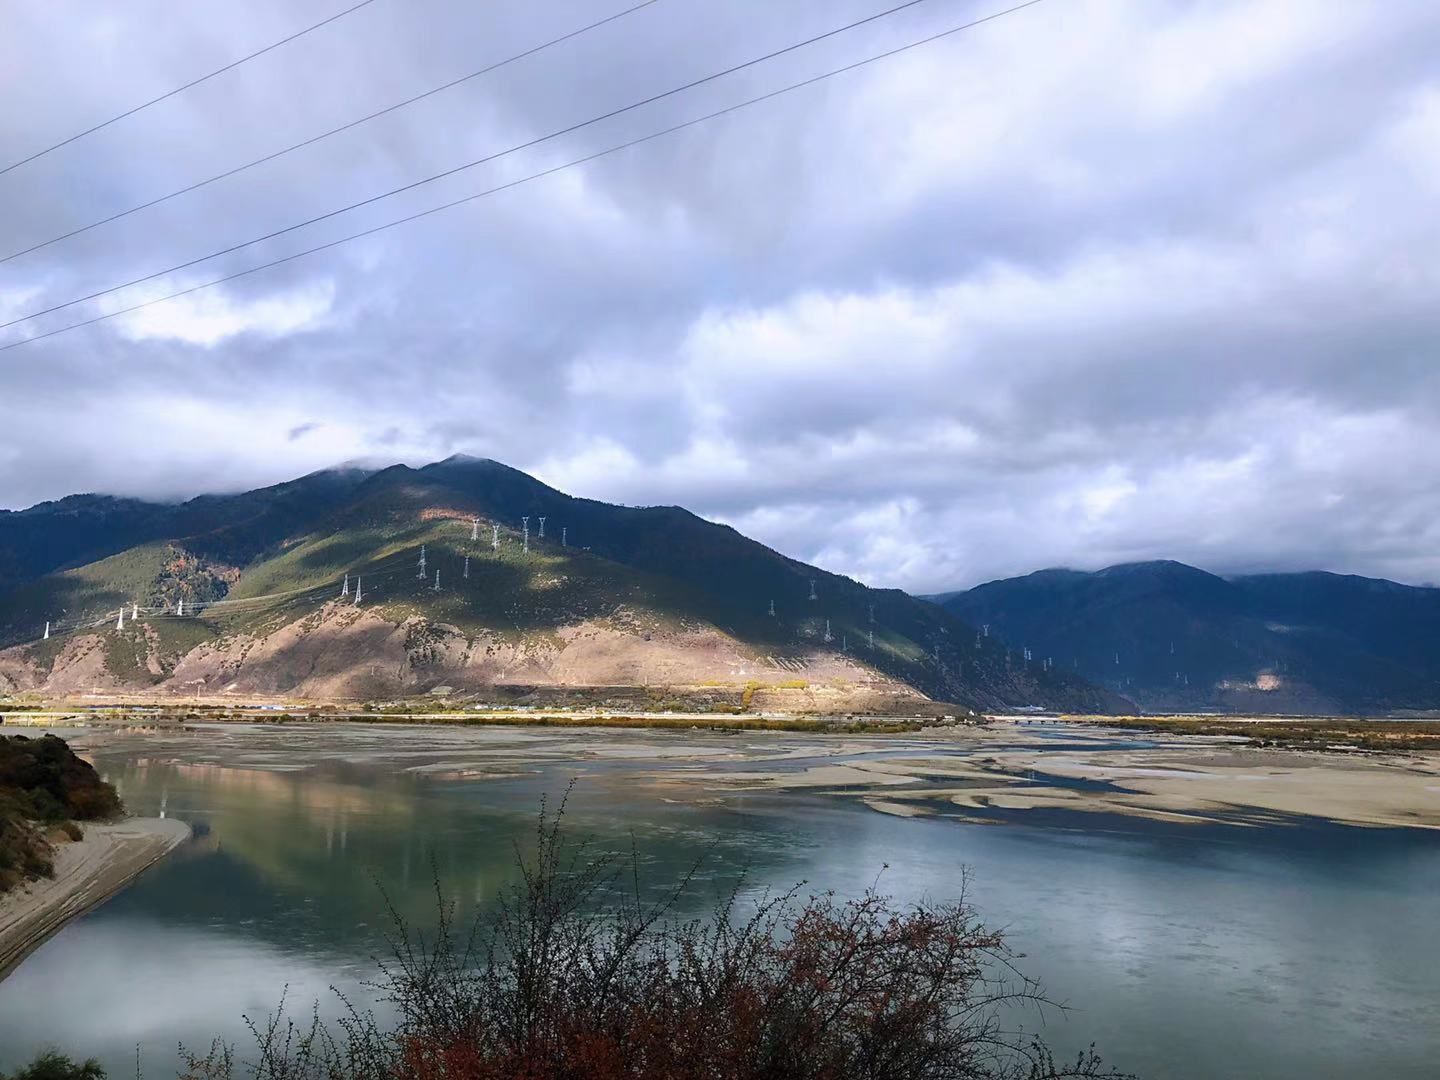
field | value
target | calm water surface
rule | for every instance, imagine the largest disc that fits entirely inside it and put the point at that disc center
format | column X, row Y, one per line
column 1184, row 952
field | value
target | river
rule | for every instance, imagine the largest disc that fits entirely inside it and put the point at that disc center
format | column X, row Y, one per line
column 1184, row 951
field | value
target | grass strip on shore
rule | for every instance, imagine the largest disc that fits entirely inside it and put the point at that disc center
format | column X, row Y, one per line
column 803, row 725
column 1325, row 733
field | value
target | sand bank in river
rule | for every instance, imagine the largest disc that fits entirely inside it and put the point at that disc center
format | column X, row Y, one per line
column 1232, row 784
column 993, row 772
column 1180, row 780
column 87, row 872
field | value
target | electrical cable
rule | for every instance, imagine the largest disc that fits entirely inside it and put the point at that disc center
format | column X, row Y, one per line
column 727, row 110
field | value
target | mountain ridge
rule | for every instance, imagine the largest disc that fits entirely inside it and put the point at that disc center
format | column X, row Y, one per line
column 1175, row 637
column 617, row 595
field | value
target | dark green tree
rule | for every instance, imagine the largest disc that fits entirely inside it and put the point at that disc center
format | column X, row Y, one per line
column 54, row 1066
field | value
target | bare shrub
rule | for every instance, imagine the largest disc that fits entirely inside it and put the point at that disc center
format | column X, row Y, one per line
column 576, row 975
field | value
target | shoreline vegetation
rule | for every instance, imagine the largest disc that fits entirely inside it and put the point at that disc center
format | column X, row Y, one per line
column 45, row 791
column 701, row 722
column 1320, row 733
column 1329, row 733
column 799, row 725
column 57, row 715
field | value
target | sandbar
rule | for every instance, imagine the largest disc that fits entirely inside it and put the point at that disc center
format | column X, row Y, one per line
column 87, row 873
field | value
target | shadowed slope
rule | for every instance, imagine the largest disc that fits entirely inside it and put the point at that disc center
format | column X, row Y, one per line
column 1174, row 637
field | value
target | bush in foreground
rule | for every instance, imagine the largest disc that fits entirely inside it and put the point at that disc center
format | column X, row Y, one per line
column 53, row 1066
column 575, row 976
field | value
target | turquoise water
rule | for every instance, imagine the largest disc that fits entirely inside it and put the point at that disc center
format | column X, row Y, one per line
column 1185, row 952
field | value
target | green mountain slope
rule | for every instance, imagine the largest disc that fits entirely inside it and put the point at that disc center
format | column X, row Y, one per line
column 609, row 596
column 1174, row 637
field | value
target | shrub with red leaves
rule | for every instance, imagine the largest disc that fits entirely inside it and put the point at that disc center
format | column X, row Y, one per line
column 574, row 978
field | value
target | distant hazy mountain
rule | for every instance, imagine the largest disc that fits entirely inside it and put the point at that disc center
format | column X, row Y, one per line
column 1170, row 636
column 609, row 597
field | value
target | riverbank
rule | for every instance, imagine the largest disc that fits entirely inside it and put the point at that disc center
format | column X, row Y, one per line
column 1346, row 733
column 87, row 873
column 723, row 721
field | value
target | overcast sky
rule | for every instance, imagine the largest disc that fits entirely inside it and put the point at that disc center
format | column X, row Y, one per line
column 1096, row 282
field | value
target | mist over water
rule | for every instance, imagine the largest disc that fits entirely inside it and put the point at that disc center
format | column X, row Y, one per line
column 1184, row 951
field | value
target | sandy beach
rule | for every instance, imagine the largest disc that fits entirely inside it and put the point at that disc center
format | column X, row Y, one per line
column 87, row 873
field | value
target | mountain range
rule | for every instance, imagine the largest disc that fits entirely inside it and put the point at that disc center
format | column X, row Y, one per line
column 314, row 589
column 1172, row 637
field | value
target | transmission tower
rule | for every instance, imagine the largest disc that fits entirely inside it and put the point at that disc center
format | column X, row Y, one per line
column 421, row 575
column 525, row 522
column 180, row 607
column 474, row 529
column 120, row 622
column 563, row 531
column 494, row 537
column 542, row 526
column 345, row 589
column 828, row 638
column 358, row 593
column 467, row 567
column 47, row 631
column 812, row 590
column 772, row 609
column 134, row 612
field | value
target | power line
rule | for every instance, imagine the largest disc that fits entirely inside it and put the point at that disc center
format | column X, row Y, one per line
column 243, row 605
column 326, row 134
column 527, row 145
column 192, row 83
column 618, row 147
